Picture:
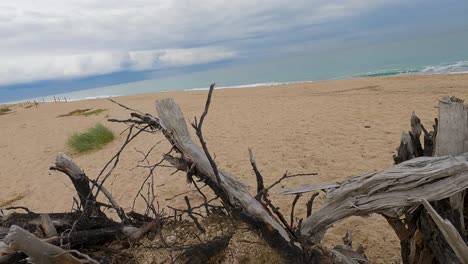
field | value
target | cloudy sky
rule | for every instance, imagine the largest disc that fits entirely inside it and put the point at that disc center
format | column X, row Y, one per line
column 71, row 39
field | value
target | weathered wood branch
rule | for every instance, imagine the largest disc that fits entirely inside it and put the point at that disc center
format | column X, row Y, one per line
column 258, row 175
column 135, row 234
column 82, row 184
column 346, row 254
column 47, row 225
column 410, row 142
column 39, row 252
column 231, row 190
column 199, row 131
column 388, row 192
column 80, row 181
column 450, row 233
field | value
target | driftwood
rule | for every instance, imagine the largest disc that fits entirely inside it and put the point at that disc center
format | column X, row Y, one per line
column 47, row 226
column 410, row 142
column 38, row 251
column 450, row 233
column 452, row 139
column 80, row 181
column 86, row 227
column 387, row 192
column 397, row 191
column 452, row 132
column 424, row 241
column 83, row 186
column 234, row 193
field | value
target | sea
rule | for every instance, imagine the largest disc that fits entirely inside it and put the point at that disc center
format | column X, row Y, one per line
column 446, row 54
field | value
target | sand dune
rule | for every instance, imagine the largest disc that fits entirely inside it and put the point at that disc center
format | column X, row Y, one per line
column 336, row 128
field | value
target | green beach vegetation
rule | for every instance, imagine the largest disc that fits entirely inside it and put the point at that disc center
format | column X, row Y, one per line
column 4, row 109
column 84, row 112
column 92, row 139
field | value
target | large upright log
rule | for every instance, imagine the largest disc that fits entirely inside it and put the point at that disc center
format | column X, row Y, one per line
column 234, row 193
column 452, row 139
column 452, row 132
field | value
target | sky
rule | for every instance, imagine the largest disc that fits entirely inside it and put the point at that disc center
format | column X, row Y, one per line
column 86, row 43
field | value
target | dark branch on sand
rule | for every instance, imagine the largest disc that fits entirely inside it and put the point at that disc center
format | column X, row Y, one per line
column 198, row 129
column 258, row 175
column 124, row 106
column 190, row 214
column 310, row 203
column 292, row 209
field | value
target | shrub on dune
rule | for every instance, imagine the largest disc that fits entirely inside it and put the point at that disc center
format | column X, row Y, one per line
column 4, row 109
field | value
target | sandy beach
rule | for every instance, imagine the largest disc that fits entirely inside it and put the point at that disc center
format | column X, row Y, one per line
column 335, row 128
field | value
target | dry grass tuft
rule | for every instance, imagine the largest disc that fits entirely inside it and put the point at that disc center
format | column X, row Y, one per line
column 84, row 112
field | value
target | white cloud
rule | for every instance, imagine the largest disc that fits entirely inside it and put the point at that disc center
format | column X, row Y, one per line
column 17, row 69
column 51, row 39
column 153, row 59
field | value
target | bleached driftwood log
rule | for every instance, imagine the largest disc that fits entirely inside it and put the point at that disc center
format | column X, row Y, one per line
column 387, row 192
column 452, row 132
column 452, row 139
column 47, row 225
column 233, row 192
column 38, row 251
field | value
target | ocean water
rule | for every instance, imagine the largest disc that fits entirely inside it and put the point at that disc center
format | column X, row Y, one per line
column 201, row 81
column 444, row 54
